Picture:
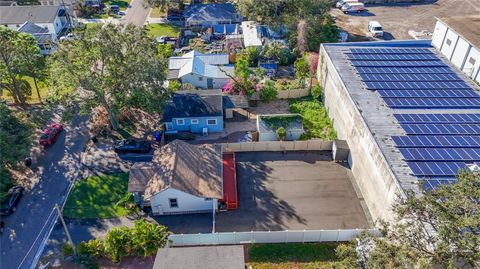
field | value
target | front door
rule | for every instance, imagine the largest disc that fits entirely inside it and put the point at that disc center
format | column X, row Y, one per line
column 210, row 83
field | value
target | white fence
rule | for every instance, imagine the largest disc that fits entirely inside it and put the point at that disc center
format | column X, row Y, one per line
column 297, row 236
column 278, row 146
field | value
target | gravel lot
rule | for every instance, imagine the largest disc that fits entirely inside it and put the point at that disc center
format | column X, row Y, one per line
column 398, row 19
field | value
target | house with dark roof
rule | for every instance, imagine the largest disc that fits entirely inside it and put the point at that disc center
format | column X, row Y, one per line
column 45, row 23
column 207, row 15
column 181, row 179
column 193, row 113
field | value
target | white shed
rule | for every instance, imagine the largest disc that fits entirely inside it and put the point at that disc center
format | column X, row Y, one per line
column 458, row 39
column 182, row 179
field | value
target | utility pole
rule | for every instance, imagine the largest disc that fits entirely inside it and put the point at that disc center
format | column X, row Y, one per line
column 66, row 230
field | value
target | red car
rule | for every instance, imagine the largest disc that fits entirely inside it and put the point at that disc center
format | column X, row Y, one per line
column 49, row 135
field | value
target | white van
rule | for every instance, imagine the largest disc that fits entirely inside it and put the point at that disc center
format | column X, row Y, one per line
column 375, row 28
column 353, row 7
column 343, row 2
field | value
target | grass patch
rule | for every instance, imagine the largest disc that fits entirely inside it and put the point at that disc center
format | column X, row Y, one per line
column 283, row 256
column 316, row 122
column 97, row 197
column 158, row 13
column 33, row 98
column 161, row 29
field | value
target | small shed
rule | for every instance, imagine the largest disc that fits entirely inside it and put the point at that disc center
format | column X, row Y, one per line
column 268, row 124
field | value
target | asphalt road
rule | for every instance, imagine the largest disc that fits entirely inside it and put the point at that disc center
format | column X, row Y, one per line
column 137, row 13
column 27, row 228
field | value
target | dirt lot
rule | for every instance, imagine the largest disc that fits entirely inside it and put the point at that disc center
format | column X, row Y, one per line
column 398, row 19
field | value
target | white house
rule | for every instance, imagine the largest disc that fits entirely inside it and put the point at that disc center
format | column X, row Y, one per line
column 208, row 71
column 182, row 179
column 458, row 39
column 45, row 23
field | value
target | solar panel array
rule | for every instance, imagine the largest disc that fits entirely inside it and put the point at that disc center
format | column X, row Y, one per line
column 412, row 78
column 436, row 146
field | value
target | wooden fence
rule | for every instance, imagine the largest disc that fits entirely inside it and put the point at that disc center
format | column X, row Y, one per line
column 278, row 146
column 292, row 94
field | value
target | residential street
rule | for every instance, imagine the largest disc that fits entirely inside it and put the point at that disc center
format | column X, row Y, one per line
column 27, row 228
column 137, row 13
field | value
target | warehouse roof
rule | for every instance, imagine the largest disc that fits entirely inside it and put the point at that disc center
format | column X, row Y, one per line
column 385, row 83
column 34, row 14
column 468, row 26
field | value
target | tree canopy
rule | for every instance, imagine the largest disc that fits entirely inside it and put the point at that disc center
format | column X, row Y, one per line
column 439, row 228
column 112, row 66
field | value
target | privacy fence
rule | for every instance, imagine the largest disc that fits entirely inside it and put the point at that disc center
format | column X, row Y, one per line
column 295, row 236
column 278, row 146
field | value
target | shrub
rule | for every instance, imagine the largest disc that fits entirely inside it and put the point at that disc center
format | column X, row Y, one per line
column 282, row 134
column 67, row 250
column 317, row 92
column 174, row 85
column 92, row 247
column 268, row 91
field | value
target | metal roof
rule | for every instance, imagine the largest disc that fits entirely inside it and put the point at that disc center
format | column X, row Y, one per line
column 207, row 65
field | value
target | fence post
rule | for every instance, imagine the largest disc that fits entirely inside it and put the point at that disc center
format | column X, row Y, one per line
column 320, row 236
column 303, row 238
column 235, row 237
column 183, row 241
column 338, row 234
column 252, row 237
column 286, row 236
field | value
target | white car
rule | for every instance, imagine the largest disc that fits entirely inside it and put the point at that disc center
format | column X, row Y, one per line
column 343, row 2
column 353, row 7
column 375, row 28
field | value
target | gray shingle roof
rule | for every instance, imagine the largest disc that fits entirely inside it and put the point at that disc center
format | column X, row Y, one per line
column 192, row 105
column 21, row 14
column 32, row 28
column 210, row 12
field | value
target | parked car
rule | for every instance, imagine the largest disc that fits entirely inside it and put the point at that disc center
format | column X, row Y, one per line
column 9, row 205
column 121, row 13
column 343, row 2
column 179, row 136
column 49, row 134
column 114, row 9
column 132, row 146
column 353, row 7
column 375, row 28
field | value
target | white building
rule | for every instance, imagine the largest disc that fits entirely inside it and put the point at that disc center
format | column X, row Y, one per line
column 182, row 179
column 252, row 37
column 458, row 39
column 208, row 71
column 45, row 23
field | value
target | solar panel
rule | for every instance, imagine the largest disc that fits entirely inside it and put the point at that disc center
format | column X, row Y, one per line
column 438, row 118
column 390, row 50
column 436, row 169
column 431, row 103
column 433, row 183
column 404, row 70
column 427, row 93
column 438, row 63
column 442, row 129
column 436, row 141
column 409, row 77
column 441, row 154
column 371, row 85
column 393, row 57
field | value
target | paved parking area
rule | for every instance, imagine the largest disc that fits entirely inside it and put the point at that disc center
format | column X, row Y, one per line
column 296, row 190
column 398, row 19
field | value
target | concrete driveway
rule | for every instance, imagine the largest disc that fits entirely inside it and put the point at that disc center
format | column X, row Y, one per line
column 28, row 227
column 292, row 191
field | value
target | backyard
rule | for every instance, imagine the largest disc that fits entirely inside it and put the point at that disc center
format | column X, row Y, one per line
column 97, row 197
column 163, row 29
column 316, row 122
column 283, row 256
column 31, row 98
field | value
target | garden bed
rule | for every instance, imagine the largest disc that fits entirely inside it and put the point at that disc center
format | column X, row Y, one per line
column 316, row 122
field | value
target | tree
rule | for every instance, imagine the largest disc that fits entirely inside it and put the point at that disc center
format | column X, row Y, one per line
column 114, row 67
column 267, row 91
column 118, row 243
column 15, row 140
column 17, row 50
column 439, row 228
column 301, row 69
column 245, row 79
column 147, row 238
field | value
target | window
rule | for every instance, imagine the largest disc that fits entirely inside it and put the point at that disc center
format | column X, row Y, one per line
column 212, row 122
column 200, row 78
column 208, row 199
column 168, row 126
column 173, row 202
column 194, row 121
column 180, row 122
column 449, row 42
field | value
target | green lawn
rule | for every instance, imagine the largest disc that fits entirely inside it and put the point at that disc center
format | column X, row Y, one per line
column 96, row 197
column 158, row 13
column 284, row 256
column 33, row 98
column 161, row 29
column 316, row 122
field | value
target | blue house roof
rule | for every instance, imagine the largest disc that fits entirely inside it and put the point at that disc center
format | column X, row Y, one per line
column 210, row 12
column 192, row 105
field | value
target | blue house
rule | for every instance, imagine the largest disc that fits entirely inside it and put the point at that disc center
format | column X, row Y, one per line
column 193, row 113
